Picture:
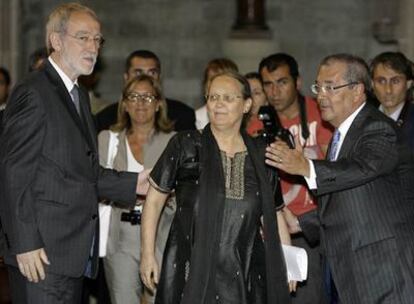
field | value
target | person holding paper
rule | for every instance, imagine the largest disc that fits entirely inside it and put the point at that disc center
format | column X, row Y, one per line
column 142, row 132
column 215, row 252
column 364, row 221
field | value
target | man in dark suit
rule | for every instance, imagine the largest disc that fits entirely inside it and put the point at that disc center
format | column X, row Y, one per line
column 51, row 178
column 366, row 224
column 146, row 62
column 392, row 78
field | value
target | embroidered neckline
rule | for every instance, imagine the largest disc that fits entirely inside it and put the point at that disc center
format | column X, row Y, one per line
column 233, row 168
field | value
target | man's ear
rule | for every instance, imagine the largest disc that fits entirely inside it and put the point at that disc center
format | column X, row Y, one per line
column 125, row 77
column 55, row 41
column 248, row 105
column 298, row 83
column 360, row 91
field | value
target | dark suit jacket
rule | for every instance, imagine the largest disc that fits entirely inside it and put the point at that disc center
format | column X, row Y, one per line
column 2, row 239
column 366, row 223
column 1, row 120
column 182, row 115
column 406, row 123
column 50, row 173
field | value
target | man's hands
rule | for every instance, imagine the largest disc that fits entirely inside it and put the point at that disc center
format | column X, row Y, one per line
column 143, row 182
column 292, row 161
column 31, row 264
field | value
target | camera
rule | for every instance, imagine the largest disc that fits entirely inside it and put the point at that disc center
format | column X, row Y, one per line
column 133, row 216
column 272, row 127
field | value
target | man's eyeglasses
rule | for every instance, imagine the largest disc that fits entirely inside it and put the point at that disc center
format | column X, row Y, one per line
column 329, row 89
column 84, row 39
column 226, row 98
column 142, row 98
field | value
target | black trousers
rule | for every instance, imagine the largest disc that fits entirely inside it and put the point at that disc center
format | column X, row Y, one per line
column 54, row 289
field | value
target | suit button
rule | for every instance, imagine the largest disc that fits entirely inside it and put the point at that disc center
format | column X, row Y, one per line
column 94, row 216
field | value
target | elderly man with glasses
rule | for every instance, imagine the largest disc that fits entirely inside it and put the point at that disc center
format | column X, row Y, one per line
column 51, row 178
column 364, row 221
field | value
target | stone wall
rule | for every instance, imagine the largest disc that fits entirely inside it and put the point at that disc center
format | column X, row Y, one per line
column 187, row 33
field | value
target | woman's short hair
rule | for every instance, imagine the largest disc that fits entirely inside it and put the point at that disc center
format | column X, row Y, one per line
column 219, row 65
column 162, row 123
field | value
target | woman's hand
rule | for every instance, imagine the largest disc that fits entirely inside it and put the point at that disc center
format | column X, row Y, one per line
column 149, row 271
column 291, row 221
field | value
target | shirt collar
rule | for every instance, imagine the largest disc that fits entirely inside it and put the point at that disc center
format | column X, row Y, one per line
column 396, row 114
column 69, row 84
column 346, row 124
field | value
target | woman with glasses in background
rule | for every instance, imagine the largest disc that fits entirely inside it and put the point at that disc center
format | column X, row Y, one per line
column 141, row 133
column 225, row 195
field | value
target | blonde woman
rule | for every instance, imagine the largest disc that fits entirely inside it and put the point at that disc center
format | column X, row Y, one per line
column 142, row 132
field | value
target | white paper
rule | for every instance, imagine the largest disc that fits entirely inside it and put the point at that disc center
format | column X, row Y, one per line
column 104, row 219
column 296, row 260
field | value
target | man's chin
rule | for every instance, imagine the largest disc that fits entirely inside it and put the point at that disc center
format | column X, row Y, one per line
column 87, row 71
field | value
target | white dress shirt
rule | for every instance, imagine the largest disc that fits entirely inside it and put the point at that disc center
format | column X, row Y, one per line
column 394, row 116
column 201, row 117
column 69, row 84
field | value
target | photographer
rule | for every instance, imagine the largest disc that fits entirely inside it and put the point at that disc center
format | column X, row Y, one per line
column 299, row 116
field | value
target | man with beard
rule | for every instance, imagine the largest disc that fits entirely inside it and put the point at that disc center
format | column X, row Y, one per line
column 51, row 178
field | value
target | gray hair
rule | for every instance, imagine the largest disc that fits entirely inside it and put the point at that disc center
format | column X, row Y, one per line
column 357, row 68
column 58, row 19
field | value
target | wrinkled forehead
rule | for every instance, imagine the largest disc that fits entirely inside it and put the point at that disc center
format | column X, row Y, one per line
column 83, row 22
column 331, row 72
column 225, row 83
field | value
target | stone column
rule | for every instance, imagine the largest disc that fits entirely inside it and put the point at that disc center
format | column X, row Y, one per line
column 250, row 38
column 405, row 28
column 9, row 33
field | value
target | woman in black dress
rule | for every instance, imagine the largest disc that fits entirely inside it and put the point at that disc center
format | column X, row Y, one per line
column 225, row 195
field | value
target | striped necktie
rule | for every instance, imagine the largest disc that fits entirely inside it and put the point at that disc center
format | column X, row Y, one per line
column 75, row 98
column 334, row 145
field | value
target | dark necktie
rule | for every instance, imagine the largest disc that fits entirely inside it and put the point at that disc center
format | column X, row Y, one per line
column 75, row 98
column 334, row 145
